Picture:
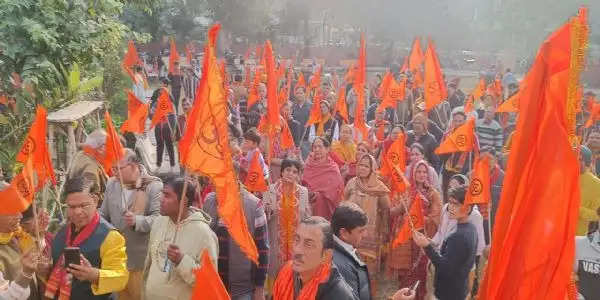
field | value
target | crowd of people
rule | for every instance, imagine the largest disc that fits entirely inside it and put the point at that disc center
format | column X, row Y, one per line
column 325, row 225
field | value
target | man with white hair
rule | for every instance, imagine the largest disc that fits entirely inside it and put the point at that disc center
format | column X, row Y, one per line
column 87, row 163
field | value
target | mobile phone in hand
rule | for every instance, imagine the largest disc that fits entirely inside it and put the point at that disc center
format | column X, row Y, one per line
column 72, row 256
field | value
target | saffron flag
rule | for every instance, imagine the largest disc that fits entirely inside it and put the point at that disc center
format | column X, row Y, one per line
column 247, row 76
column 435, row 87
column 533, row 244
column 404, row 67
column 173, row 56
column 131, row 59
column 287, row 139
column 510, row 105
column 479, row 89
column 394, row 164
column 315, row 80
column 416, row 57
column 349, row 76
column 594, row 115
column 479, row 187
column 414, row 220
column 164, row 107
column 208, row 282
column 114, row 149
column 301, row 83
column 461, row 140
column 315, row 110
column 469, row 106
column 255, row 180
column 253, row 92
column 340, row 105
column 272, row 116
column 35, row 148
column 395, row 92
column 385, row 83
column 18, row 196
column 360, row 80
column 137, row 113
column 205, row 149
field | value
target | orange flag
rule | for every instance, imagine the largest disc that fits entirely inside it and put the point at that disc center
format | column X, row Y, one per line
column 255, row 180
column 208, row 282
column 136, row 115
column 18, row 196
column 416, row 57
column 479, row 90
column 173, row 56
column 469, row 106
column 594, row 115
column 435, row 87
column 131, row 59
column 273, row 125
column 114, row 149
column 340, row 105
column 497, row 87
column 479, row 188
column 349, row 77
column 164, row 107
column 315, row 80
column 413, row 221
column 204, row 148
column 253, row 92
column 395, row 92
column 287, row 139
column 510, row 105
column 461, row 140
column 315, row 110
column 301, row 83
column 533, row 244
column 394, row 164
column 385, row 84
column 35, row 148
column 404, row 67
column 360, row 80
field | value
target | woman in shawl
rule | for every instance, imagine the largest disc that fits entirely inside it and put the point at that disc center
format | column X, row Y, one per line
column 345, row 148
column 372, row 195
column 286, row 203
column 348, row 170
column 417, row 153
column 323, row 179
column 406, row 260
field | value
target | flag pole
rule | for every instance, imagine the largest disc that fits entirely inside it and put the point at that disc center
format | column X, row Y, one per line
column 179, row 214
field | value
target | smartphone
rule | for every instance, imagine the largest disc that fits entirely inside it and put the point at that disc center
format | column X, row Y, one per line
column 72, row 256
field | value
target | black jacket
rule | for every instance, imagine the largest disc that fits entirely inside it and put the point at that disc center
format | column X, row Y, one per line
column 354, row 272
column 335, row 288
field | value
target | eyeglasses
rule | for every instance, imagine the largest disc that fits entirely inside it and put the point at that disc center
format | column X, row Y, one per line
column 82, row 206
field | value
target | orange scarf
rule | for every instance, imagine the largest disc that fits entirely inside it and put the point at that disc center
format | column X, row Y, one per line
column 284, row 285
column 321, row 126
column 287, row 222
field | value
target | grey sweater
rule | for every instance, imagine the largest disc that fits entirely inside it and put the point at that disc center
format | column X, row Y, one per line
column 136, row 238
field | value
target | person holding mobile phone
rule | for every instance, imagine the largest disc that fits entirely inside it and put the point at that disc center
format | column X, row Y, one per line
column 102, row 266
column 456, row 259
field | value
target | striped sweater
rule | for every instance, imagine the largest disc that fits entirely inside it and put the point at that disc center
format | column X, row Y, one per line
column 489, row 134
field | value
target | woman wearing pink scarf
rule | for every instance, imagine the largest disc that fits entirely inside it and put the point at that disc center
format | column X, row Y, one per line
column 323, row 179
